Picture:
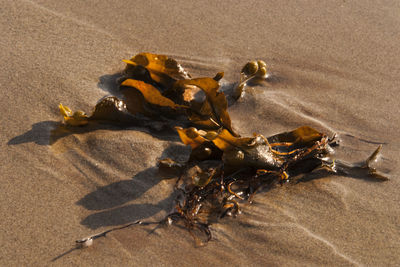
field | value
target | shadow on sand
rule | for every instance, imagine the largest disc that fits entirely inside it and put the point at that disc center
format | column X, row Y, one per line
column 49, row 132
column 109, row 201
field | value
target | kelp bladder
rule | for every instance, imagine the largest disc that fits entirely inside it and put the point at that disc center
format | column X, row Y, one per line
column 224, row 169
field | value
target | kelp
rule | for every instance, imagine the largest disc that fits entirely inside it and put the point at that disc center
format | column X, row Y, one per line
column 224, row 169
column 155, row 86
column 151, row 94
column 212, row 112
column 108, row 109
column 248, row 164
column 254, row 71
column 162, row 69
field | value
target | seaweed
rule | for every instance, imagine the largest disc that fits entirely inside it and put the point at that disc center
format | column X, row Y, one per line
column 224, row 169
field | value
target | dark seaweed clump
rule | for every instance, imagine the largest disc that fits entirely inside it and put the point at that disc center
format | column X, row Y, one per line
column 224, row 169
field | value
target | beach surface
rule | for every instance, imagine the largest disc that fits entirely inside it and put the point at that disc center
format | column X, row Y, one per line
column 336, row 68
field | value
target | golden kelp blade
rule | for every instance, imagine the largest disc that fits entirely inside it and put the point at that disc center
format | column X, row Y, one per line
column 302, row 136
column 216, row 100
column 159, row 63
column 190, row 136
column 65, row 111
column 306, row 134
column 225, row 141
column 151, row 94
column 162, row 69
column 204, row 120
column 79, row 118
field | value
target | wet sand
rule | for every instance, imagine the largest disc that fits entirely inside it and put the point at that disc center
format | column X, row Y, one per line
column 336, row 67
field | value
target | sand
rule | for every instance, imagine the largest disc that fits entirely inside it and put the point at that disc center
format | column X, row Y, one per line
column 337, row 65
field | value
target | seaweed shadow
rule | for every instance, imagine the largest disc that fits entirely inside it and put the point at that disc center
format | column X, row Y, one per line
column 40, row 134
column 109, row 201
column 111, row 83
column 49, row 132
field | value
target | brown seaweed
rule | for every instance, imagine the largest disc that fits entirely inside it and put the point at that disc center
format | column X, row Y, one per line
column 155, row 86
column 162, row 69
column 224, row 169
column 151, row 94
column 254, row 71
column 212, row 112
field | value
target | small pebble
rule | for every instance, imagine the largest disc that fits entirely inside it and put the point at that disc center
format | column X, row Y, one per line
column 84, row 243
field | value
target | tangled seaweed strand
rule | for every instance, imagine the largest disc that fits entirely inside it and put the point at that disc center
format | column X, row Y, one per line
column 224, row 169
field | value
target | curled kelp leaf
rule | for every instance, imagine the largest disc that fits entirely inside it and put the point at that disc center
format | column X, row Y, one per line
column 135, row 102
column 212, row 112
column 225, row 141
column 162, row 69
column 186, row 93
column 190, row 136
column 202, row 147
column 302, row 136
column 151, row 94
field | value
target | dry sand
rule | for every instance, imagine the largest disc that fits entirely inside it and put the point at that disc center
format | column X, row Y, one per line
column 338, row 65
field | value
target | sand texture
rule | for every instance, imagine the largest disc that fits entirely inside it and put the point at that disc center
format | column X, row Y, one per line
column 336, row 67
